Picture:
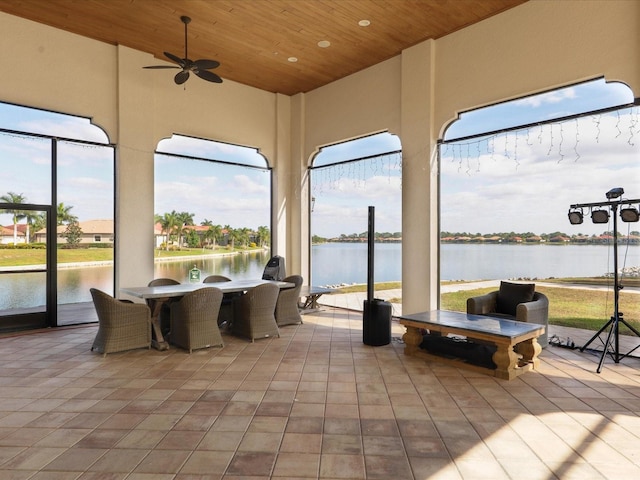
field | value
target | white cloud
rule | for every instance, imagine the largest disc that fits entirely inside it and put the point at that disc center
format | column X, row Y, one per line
column 553, row 97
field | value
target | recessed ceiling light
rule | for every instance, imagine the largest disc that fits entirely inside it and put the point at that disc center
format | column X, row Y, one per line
column 324, row 43
column 293, row 59
column 364, row 23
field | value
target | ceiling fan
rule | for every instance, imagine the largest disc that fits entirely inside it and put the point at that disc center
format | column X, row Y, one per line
column 199, row 67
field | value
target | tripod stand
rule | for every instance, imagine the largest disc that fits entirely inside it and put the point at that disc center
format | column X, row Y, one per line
column 612, row 343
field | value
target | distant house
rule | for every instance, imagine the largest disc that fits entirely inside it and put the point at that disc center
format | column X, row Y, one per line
column 534, row 239
column 93, row 231
column 6, row 234
column 633, row 239
column 560, row 239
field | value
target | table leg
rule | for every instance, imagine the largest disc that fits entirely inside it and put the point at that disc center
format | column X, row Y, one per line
column 506, row 361
column 157, row 339
column 412, row 339
column 311, row 301
column 530, row 349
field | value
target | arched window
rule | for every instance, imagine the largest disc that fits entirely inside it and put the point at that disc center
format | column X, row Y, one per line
column 346, row 178
column 56, row 217
column 509, row 172
column 213, row 202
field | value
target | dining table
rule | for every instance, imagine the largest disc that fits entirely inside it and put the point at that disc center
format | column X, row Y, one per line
column 161, row 294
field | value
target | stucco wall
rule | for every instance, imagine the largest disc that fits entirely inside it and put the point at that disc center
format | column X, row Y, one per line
column 535, row 47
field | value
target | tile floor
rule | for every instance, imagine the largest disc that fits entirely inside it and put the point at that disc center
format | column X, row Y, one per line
column 315, row 403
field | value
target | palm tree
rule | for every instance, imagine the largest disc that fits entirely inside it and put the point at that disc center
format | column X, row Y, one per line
column 216, row 232
column 263, row 235
column 37, row 220
column 241, row 235
column 213, row 233
column 230, row 235
column 167, row 223
column 64, row 214
column 207, row 236
column 184, row 219
column 12, row 197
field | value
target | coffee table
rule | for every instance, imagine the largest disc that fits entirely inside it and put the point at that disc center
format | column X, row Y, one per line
column 516, row 342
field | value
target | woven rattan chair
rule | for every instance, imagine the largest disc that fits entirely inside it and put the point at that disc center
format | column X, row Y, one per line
column 164, row 315
column 287, row 312
column 193, row 319
column 122, row 325
column 226, row 309
column 254, row 312
column 514, row 301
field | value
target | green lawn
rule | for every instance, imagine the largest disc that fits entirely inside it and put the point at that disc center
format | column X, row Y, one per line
column 19, row 257
column 587, row 309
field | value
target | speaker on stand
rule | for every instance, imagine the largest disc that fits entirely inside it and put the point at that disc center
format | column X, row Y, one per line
column 376, row 319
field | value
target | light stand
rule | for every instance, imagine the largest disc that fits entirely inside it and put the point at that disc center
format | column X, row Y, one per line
column 612, row 344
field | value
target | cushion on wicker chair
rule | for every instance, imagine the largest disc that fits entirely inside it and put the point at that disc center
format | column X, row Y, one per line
column 512, row 294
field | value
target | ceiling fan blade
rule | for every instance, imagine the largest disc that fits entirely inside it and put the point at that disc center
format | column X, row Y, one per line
column 175, row 58
column 181, row 77
column 161, row 66
column 206, row 64
column 207, row 75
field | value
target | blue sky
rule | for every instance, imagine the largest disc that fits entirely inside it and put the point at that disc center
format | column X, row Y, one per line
column 522, row 181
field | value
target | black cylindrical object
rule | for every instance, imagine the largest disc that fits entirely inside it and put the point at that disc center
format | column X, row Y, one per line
column 376, row 316
column 376, row 326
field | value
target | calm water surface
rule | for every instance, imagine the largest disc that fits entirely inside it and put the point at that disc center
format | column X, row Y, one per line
column 337, row 263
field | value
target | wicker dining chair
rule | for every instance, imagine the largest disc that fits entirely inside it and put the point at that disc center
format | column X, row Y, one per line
column 194, row 319
column 287, row 311
column 254, row 312
column 216, row 279
column 226, row 309
column 164, row 316
column 122, row 325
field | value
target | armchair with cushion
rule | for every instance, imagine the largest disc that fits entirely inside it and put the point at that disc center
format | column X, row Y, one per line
column 122, row 325
column 516, row 301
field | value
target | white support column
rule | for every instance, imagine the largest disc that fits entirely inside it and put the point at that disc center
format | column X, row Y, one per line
column 419, row 181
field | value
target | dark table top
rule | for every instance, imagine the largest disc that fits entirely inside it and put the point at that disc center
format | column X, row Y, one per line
column 477, row 323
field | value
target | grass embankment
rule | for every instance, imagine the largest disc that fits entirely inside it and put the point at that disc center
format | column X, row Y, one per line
column 570, row 307
column 11, row 257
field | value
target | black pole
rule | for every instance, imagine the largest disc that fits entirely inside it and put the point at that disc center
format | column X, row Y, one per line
column 370, row 252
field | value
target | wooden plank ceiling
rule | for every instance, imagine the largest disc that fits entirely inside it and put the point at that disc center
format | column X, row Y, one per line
column 254, row 39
